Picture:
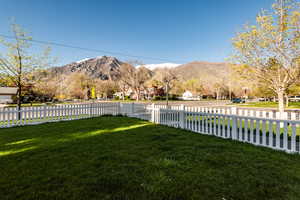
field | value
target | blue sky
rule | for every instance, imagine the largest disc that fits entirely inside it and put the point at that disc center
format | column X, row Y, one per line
column 178, row 30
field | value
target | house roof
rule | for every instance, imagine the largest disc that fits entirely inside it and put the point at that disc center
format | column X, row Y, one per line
column 187, row 93
column 8, row 90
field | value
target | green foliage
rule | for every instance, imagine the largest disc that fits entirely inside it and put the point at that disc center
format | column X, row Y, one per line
column 292, row 105
column 294, row 89
column 127, row 98
column 6, row 81
column 270, row 49
column 193, row 85
column 171, row 97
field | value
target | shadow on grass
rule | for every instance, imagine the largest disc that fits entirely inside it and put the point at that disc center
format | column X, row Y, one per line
column 49, row 135
column 124, row 158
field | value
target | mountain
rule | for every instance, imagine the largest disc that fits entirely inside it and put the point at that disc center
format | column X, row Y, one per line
column 108, row 68
column 105, row 67
column 205, row 71
column 161, row 65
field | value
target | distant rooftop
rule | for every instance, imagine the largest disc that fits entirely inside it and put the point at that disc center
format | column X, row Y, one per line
column 8, row 90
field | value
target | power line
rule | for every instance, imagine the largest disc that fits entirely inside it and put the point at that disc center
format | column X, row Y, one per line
column 92, row 50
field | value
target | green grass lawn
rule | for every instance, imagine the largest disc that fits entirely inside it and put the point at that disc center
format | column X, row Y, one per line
column 41, row 104
column 30, row 105
column 292, row 105
column 125, row 158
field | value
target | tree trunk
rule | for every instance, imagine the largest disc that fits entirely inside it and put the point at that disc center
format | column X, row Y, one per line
column 167, row 94
column 137, row 95
column 280, row 94
column 19, row 84
column 230, row 92
column 286, row 100
column 19, row 101
column 217, row 94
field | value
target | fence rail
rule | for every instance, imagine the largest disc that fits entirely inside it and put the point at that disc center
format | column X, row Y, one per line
column 9, row 117
column 273, row 133
column 247, row 112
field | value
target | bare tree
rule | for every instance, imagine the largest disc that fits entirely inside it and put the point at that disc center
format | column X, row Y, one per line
column 78, row 85
column 135, row 78
column 106, row 88
column 167, row 76
column 123, row 87
column 19, row 61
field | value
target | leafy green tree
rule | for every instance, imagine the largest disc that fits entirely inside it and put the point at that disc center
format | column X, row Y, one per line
column 5, row 80
column 193, row 85
column 178, row 88
column 269, row 50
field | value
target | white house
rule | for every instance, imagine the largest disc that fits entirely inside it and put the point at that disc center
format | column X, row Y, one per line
column 6, row 94
column 188, row 95
column 128, row 92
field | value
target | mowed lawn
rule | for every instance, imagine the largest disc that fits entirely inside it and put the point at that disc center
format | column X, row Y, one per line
column 268, row 104
column 125, row 158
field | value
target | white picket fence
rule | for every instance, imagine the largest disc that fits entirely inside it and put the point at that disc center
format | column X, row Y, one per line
column 247, row 112
column 43, row 114
column 273, row 133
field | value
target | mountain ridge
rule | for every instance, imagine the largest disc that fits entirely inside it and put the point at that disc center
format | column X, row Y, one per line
column 104, row 68
column 108, row 68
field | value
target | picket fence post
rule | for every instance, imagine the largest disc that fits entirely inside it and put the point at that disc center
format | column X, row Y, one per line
column 89, row 110
column 132, row 108
column 158, row 116
column 234, row 110
column 182, row 116
column 44, row 111
column 234, row 127
column 119, row 108
column 152, row 113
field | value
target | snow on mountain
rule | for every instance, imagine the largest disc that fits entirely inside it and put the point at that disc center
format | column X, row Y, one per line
column 80, row 61
column 161, row 65
column 86, row 59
